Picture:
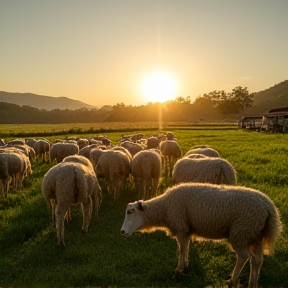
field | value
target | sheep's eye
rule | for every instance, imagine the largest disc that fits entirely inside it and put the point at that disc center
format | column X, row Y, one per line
column 129, row 211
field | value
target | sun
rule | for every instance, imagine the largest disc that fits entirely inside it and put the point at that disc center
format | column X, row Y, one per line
column 158, row 86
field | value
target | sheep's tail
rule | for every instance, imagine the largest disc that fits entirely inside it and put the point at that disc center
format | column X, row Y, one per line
column 272, row 231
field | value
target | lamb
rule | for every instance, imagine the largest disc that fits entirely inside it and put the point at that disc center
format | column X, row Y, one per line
column 171, row 152
column 69, row 183
column 59, row 151
column 204, row 170
column 146, row 170
column 207, row 151
column 115, row 167
column 244, row 217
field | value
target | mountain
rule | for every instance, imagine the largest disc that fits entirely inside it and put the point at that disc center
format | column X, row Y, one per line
column 43, row 102
column 273, row 97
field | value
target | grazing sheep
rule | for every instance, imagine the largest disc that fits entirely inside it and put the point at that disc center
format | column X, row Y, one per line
column 171, row 152
column 15, row 164
column 204, row 170
column 83, row 160
column 170, row 136
column 123, row 149
column 82, row 143
column 207, row 151
column 16, row 142
column 42, row 149
column 146, row 169
column 69, row 183
column 30, row 142
column 115, row 167
column 153, row 142
column 59, row 151
column 132, row 147
column 85, row 151
column 5, row 178
column 94, row 156
column 244, row 217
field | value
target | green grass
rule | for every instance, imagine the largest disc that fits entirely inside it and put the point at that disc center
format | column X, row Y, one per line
column 30, row 256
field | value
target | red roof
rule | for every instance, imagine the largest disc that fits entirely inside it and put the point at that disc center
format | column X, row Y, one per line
column 277, row 111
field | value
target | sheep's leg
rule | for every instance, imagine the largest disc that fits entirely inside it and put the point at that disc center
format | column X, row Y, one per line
column 155, row 184
column 183, row 246
column 243, row 255
column 144, row 189
column 61, row 209
column 256, row 261
column 87, row 208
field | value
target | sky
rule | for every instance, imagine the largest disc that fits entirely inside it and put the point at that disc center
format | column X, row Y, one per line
column 103, row 52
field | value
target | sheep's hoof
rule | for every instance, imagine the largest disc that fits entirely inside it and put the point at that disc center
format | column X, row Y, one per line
column 62, row 246
column 84, row 231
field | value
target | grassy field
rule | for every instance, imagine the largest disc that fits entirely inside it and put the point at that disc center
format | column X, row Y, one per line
column 30, row 256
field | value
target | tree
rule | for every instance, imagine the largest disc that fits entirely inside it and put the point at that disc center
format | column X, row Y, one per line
column 231, row 104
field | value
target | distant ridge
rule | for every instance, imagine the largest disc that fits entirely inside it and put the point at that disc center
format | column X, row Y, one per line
column 43, row 102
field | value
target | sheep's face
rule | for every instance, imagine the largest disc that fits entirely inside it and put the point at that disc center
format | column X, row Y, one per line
column 134, row 218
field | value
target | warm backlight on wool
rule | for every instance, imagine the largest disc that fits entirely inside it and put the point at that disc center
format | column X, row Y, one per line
column 159, row 86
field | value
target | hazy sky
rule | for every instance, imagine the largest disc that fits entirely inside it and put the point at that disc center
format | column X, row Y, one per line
column 100, row 51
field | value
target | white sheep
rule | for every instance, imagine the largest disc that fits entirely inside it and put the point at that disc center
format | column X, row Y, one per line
column 132, row 147
column 246, row 218
column 42, row 149
column 115, row 167
column 69, row 183
column 204, row 170
column 60, row 150
column 146, row 169
column 171, row 152
column 207, row 151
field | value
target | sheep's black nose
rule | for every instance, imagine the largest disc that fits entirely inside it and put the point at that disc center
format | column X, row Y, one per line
column 122, row 232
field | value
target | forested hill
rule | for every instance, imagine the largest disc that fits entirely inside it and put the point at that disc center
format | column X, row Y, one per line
column 180, row 110
column 42, row 102
column 273, row 97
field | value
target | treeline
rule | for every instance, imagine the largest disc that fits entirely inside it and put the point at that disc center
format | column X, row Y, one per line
column 215, row 106
column 172, row 111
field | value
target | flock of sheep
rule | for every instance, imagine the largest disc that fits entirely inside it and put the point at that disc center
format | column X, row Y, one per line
column 203, row 200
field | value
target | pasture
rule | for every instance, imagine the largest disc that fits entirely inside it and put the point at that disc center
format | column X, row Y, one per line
column 30, row 256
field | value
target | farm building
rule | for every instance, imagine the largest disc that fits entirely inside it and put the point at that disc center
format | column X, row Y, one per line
column 250, row 122
column 276, row 120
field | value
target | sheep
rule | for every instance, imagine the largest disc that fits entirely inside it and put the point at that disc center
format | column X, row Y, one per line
column 16, row 142
column 69, row 183
column 82, row 143
column 171, row 152
column 5, row 178
column 115, row 167
column 146, row 169
column 42, row 149
column 94, row 156
column 14, row 164
column 2, row 142
column 170, row 136
column 204, row 170
column 153, row 142
column 85, row 151
column 246, row 218
column 59, row 151
column 207, row 151
column 132, row 147
column 83, row 160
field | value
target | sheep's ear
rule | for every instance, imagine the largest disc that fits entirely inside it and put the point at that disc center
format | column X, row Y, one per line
column 140, row 205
